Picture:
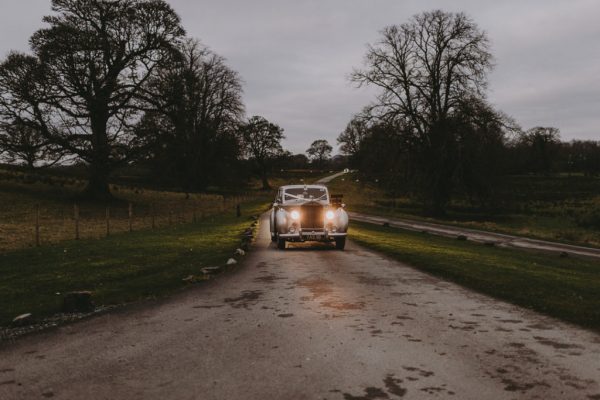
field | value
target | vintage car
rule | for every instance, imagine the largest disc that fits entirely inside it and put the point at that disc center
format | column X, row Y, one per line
column 308, row 213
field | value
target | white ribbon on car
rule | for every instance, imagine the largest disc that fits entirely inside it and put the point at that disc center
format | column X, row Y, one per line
column 302, row 198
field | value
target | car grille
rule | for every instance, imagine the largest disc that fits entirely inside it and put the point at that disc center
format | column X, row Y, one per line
column 311, row 217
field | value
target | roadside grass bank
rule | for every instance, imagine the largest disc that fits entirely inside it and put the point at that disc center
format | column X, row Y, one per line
column 295, row 177
column 566, row 288
column 557, row 208
column 118, row 269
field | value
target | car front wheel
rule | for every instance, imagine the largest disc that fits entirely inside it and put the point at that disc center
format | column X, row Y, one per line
column 281, row 244
column 340, row 243
column 273, row 237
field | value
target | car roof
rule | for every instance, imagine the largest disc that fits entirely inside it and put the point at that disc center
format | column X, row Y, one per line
column 320, row 186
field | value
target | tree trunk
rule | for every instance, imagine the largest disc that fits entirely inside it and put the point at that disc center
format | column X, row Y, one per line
column 265, row 182
column 98, row 188
column 440, row 165
column 100, row 167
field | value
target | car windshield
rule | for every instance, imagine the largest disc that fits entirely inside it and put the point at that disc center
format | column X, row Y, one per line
column 311, row 193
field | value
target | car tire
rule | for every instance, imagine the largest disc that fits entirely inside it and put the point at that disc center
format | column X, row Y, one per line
column 340, row 243
column 281, row 244
column 273, row 237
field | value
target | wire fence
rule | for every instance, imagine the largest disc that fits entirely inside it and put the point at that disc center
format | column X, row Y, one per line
column 43, row 224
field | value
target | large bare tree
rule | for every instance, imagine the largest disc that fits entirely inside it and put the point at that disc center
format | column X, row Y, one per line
column 196, row 100
column 262, row 144
column 349, row 140
column 425, row 69
column 89, row 65
column 319, row 152
column 24, row 144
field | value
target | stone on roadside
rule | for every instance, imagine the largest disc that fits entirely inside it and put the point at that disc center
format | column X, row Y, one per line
column 78, row 302
column 23, row 319
column 210, row 270
column 240, row 252
column 189, row 278
column 231, row 261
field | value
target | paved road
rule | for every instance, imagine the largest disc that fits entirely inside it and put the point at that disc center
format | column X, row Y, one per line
column 329, row 178
column 310, row 323
column 499, row 239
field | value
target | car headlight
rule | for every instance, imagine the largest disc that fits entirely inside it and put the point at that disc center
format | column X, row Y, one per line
column 329, row 214
column 295, row 215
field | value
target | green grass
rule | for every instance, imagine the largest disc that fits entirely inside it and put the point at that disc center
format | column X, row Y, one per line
column 549, row 208
column 121, row 268
column 292, row 177
column 566, row 288
column 56, row 198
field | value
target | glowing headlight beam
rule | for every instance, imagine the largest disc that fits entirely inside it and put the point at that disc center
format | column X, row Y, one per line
column 295, row 215
column 329, row 214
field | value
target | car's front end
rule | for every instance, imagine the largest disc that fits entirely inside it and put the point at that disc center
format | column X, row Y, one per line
column 311, row 221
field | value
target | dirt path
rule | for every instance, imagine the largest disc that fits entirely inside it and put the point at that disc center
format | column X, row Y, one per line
column 310, row 323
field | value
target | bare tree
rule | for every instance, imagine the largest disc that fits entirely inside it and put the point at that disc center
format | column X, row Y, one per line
column 262, row 143
column 541, row 145
column 196, row 99
column 319, row 152
column 350, row 139
column 89, row 67
column 24, row 144
column 425, row 69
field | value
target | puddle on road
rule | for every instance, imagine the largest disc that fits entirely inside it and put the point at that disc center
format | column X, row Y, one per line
column 341, row 306
column 246, row 298
column 317, row 286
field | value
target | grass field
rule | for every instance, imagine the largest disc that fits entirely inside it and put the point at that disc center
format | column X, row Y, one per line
column 57, row 197
column 560, row 207
column 296, row 177
column 566, row 288
column 121, row 268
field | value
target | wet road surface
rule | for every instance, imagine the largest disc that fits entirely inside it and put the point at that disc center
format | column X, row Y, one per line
column 310, row 322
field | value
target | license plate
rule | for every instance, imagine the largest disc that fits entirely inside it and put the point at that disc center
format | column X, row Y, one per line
column 312, row 237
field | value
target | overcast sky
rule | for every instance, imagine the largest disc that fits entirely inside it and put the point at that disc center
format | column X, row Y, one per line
column 295, row 55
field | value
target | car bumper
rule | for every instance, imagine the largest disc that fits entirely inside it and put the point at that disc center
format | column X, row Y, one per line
column 302, row 236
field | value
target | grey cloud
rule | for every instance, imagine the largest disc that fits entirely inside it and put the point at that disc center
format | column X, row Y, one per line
column 294, row 56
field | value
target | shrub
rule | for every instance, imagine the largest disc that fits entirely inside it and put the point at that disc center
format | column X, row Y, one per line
column 589, row 218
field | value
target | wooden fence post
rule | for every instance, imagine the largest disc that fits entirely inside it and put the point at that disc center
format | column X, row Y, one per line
column 107, row 221
column 152, row 213
column 76, row 217
column 37, row 225
column 130, row 215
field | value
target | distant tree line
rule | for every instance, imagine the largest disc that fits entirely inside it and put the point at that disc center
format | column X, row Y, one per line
column 430, row 133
